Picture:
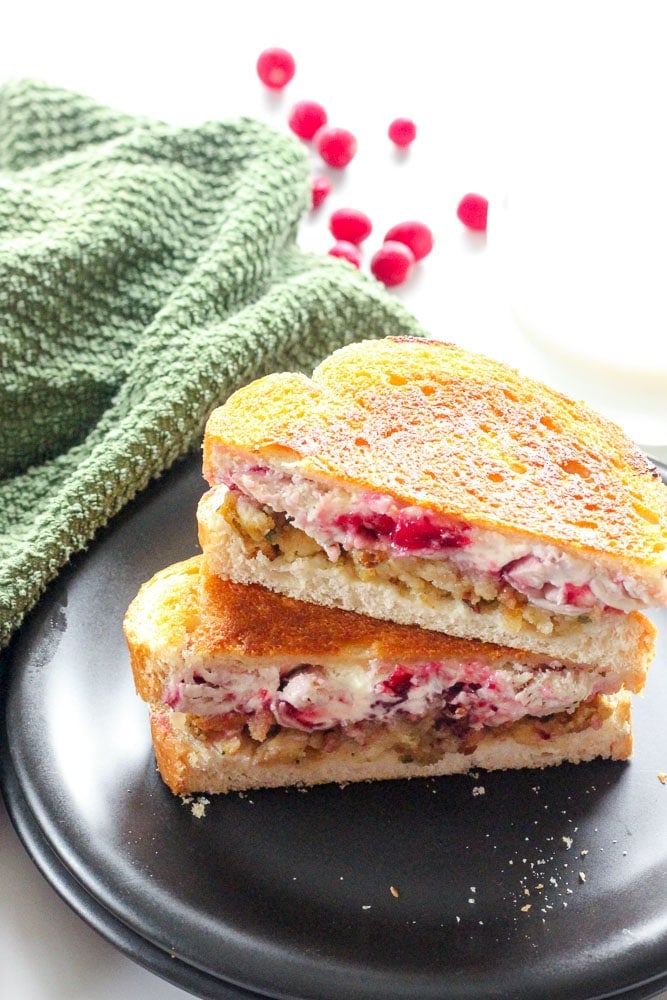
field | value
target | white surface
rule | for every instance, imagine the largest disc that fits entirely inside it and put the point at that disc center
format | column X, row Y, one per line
column 500, row 92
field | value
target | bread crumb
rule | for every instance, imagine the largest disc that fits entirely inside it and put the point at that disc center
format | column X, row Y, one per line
column 524, row 909
column 583, row 853
column 479, row 790
column 582, row 876
column 567, row 841
column 662, row 777
column 198, row 808
column 394, row 891
column 366, row 906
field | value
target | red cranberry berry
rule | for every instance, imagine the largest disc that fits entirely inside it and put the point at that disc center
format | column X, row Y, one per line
column 336, row 146
column 402, row 132
column 392, row 263
column 320, row 188
column 472, row 211
column 415, row 235
column 306, row 118
column 275, row 68
column 347, row 251
column 350, row 224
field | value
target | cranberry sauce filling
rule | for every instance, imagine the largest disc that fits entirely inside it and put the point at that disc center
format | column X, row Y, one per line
column 310, row 699
column 398, row 683
column 367, row 527
column 305, row 718
column 336, row 518
column 578, row 596
column 406, row 532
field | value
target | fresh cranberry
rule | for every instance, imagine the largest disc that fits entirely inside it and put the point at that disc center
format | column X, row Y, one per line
column 369, row 527
column 398, row 682
column 275, row 68
column 402, row 131
column 418, row 534
column 392, row 263
column 350, row 224
column 346, row 251
column 336, row 146
column 415, row 235
column 321, row 189
column 472, row 211
column 306, row 118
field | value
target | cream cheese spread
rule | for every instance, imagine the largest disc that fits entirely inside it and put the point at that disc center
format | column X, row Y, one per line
column 313, row 697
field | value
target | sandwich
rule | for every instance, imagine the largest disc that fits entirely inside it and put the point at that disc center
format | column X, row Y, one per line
column 412, row 481
column 248, row 688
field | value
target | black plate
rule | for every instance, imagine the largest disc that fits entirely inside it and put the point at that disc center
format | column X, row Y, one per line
column 288, row 894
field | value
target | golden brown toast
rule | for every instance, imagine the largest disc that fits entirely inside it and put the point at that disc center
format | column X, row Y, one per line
column 458, row 433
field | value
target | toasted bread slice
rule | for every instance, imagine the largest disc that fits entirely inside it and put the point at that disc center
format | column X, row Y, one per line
column 505, row 467
column 271, row 682
column 408, row 595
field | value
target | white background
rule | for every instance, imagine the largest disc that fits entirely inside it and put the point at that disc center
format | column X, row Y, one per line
column 555, row 111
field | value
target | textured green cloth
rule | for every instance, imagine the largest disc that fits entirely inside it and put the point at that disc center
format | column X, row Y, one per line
column 145, row 272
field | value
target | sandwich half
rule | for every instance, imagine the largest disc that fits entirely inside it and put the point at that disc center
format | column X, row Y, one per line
column 250, row 689
column 413, row 481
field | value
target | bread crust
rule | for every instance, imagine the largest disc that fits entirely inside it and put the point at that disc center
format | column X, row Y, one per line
column 192, row 762
column 459, row 433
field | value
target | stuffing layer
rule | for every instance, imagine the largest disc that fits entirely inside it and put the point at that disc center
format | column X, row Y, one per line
column 379, row 526
column 423, row 741
column 263, row 530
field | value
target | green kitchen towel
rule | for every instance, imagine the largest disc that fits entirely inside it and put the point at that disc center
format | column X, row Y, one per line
column 146, row 271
